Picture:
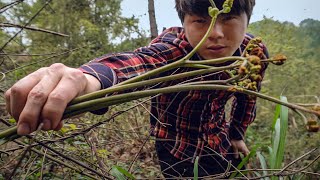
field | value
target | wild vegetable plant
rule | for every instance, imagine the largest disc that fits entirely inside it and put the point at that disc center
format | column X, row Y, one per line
column 243, row 74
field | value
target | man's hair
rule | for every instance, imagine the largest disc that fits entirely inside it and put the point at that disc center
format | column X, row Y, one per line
column 200, row 7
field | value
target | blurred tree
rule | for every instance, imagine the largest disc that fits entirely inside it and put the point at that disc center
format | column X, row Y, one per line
column 310, row 28
column 296, row 79
column 5, row 61
column 152, row 19
column 298, row 76
column 95, row 24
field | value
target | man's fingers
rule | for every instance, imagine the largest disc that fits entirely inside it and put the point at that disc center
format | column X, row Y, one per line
column 43, row 96
column 7, row 97
column 236, row 152
column 36, row 99
column 17, row 95
column 70, row 86
column 245, row 151
column 30, row 116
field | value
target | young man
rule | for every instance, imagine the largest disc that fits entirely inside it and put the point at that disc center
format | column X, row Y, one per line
column 196, row 124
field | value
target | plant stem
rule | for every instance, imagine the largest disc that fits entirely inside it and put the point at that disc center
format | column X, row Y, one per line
column 8, row 132
column 119, row 88
column 100, row 103
column 116, row 99
column 217, row 60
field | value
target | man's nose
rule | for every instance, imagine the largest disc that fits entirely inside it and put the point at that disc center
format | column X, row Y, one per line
column 216, row 32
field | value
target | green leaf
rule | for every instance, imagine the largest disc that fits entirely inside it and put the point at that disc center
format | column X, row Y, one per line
column 274, row 122
column 117, row 174
column 275, row 143
column 63, row 130
column 72, row 126
column 103, row 152
column 256, row 173
column 120, row 173
column 270, row 150
column 245, row 160
column 283, row 131
column 279, row 137
column 12, row 121
column 276, row 116
column 195, row 169
column 263, row 164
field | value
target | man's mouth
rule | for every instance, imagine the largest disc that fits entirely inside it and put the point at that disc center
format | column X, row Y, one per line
column 216, row 48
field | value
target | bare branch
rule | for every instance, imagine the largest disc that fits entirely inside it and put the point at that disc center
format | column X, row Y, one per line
column 293, row 162
column 8, row 54
column 34, row 16
column 60, row 54
column 58, row 161
column 33, row 29
column 25, row 151
column 8, row 6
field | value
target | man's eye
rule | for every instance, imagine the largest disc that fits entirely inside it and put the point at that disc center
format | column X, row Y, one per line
column 200, row 21
column 228, row 18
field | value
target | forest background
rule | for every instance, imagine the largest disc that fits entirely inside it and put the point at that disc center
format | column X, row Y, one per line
column 74, row 32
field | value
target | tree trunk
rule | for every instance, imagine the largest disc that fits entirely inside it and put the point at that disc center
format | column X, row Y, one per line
column 152, row 19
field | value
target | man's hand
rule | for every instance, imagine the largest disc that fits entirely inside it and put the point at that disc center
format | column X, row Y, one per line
column 239, row 147
column 43, row 95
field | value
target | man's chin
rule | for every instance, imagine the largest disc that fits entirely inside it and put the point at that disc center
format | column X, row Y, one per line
column 213, row 57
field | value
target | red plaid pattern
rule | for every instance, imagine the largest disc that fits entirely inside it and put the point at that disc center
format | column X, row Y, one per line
column 191, row 123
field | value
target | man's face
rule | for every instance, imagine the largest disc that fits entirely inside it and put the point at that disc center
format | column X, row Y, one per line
column 224, row 39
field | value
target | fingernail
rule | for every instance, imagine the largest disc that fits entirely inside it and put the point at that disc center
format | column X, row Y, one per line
column 46, row 124
column 23, row 129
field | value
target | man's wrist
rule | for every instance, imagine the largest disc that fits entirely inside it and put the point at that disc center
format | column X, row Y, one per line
column 93, row 84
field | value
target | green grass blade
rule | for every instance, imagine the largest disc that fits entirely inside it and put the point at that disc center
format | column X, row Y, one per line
column 263, row 164
column 275, row 143
column 276, row 115
column 196, row 169
column 245, row 161
column 120, row 173
column 283, row 132
column 280, row 133
column 275, row 118
column 256, row 173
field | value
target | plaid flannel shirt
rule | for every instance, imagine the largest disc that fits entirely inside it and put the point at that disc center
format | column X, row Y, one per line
column 195, row 120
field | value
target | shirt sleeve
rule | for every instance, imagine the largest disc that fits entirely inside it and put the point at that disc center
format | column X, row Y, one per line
column 244, row 108
column 111, row 69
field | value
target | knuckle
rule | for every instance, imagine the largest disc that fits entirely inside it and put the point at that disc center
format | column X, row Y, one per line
column 36, row 74
column 57, row 67
column 42, row 69
column 29, row 117
column 75, row 74
column 37, row 96
column 16, row 90
column 56, row 97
